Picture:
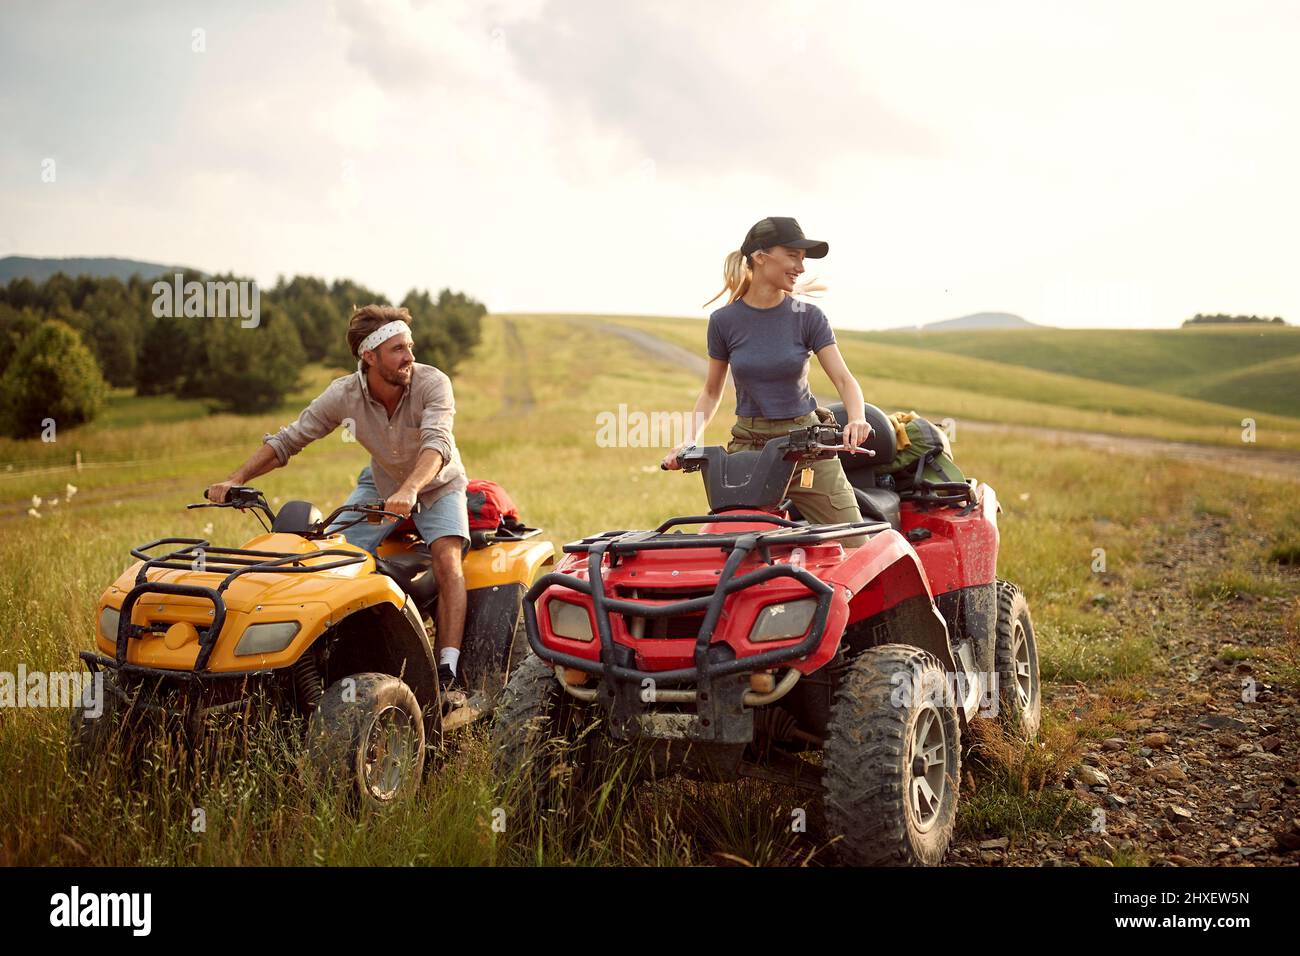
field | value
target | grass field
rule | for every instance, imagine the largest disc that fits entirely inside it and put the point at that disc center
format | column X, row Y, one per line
column 1243, row 367
column 527, row 417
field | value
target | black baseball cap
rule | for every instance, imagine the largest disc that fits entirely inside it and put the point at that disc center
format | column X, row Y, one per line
column 781, row 231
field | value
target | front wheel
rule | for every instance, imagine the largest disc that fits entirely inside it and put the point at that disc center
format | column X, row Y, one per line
column 541, row 743
column 367, row 736
column 892, row 759
column 104, row 729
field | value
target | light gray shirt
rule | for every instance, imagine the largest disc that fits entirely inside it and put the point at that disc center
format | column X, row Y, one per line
column 422, row 420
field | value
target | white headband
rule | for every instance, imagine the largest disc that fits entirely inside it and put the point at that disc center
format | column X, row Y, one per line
column 382, row 334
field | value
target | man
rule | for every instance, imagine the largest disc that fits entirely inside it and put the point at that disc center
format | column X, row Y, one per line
column 400, row 412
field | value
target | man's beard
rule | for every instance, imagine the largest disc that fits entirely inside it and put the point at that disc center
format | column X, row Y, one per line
column 395, row 378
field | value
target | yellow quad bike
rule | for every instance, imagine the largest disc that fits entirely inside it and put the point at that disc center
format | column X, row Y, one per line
column 305, row 622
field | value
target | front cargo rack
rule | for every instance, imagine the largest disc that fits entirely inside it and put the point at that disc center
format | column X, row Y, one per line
column 196, row 554
column 787, row 533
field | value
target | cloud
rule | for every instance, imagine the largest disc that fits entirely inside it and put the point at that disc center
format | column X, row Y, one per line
column 717, row 87
column 568, row 156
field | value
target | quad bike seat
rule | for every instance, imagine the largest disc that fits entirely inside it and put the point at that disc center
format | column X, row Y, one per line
column 881, row 504
column 876, row 504
column 413, row 572
column 883, row 441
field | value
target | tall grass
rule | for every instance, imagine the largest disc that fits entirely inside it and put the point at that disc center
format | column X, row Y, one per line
column 1059, row 506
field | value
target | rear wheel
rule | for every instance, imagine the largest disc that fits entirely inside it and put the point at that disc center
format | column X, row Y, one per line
column 893, row 759
column 1016, row 661
column 367, row 736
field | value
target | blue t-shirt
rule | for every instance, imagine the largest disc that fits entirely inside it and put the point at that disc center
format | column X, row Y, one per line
column 768, row 350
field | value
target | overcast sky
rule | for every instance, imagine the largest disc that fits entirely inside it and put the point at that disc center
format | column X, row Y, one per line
column 1089, row 164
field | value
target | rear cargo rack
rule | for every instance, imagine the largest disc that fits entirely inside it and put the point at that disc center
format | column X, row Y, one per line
column 196, row 554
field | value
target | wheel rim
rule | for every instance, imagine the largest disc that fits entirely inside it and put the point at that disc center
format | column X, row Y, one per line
column 388, row 751
column 1024, row 671
column 929, row 779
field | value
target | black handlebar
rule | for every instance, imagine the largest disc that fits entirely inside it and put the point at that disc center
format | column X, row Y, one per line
column 238, row 496
column 371, row 511
column 245, row 497
column 242, row 497
column 810, row 441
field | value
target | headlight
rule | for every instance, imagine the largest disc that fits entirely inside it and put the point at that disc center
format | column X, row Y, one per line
column 108, row 619
column 266, row 638
column 778, row 621
column 569, row 620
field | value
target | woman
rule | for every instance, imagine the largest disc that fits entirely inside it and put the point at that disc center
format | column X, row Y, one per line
column 765, row 335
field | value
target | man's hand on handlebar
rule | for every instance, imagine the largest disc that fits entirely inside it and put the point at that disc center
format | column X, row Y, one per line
column 217, row 492
column 400, row 502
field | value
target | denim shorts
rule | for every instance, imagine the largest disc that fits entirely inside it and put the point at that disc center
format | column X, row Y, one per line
column 448, row 515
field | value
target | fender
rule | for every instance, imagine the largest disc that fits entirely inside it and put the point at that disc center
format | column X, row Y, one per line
column 507, row 562
column 496, row 579
column 885, row 575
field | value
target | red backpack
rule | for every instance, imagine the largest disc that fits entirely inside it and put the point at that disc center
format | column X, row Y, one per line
column 490, row 506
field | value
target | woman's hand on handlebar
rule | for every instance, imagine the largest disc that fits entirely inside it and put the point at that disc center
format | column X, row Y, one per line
column 856, row 434
column 670, row 462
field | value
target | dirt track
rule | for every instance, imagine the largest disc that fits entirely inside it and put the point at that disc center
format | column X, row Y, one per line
column 1203, row 769
column 1244, row 460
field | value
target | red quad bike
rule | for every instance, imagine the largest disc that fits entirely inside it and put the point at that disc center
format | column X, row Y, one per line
column 758, row 641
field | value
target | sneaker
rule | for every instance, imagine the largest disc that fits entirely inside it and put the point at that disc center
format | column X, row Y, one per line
column 453, row 691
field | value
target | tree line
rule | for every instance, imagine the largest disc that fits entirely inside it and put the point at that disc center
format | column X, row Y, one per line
column 1203, row 319
column 65, row 341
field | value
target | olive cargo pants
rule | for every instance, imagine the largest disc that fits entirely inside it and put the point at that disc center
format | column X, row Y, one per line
column 830, row 499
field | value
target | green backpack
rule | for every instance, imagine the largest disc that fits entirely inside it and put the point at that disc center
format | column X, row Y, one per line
column 924, row 454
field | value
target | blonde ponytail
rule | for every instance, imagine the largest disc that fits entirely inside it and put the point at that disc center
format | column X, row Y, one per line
column 737, row 273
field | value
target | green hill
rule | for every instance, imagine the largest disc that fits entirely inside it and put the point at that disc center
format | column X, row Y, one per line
column 900, row 371
column 977, row 320
column 1245, row 367
column 39, row 269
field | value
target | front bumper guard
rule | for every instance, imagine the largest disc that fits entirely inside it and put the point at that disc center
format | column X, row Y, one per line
column 181, row 680
column 721, row 695
column 198, row 555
